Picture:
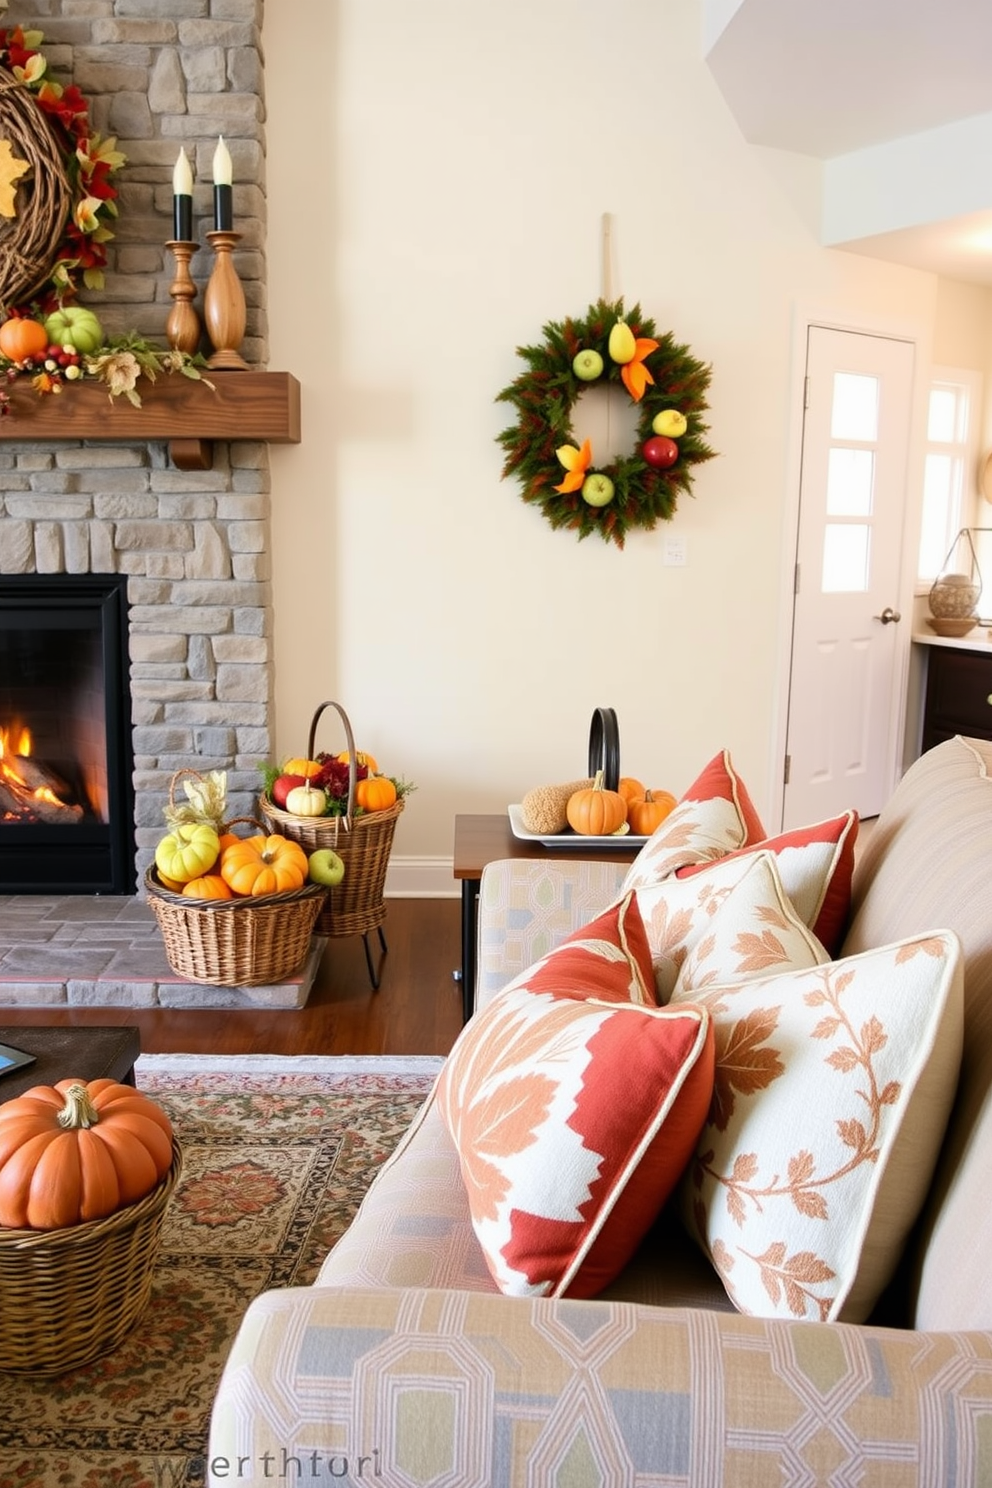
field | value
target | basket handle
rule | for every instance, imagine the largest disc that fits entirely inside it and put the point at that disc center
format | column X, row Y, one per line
column 352, row 754
column 604, row 747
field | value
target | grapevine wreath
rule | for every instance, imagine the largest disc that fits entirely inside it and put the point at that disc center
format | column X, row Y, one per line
column 56, row 191
column 664, row 380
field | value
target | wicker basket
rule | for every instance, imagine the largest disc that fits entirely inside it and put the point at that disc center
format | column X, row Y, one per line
column 70, row 1296
column 363, row 843
column 235, row 942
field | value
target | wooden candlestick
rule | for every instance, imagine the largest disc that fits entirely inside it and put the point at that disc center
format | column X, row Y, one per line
column 224, row 304
column 182, row 329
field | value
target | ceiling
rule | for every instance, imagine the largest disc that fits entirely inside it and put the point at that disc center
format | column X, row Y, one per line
column 831, row 78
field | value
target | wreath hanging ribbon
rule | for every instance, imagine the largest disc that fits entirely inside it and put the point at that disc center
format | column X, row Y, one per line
column 606, row 347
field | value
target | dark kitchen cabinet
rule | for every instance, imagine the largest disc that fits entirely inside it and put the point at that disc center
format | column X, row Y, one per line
column 958, row 695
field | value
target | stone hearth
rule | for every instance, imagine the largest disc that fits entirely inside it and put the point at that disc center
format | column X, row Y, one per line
column 107, row 951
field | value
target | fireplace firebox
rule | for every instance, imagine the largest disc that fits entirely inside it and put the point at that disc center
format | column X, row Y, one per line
column 66, row 793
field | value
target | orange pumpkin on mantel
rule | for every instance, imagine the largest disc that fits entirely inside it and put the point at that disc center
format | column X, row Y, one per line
column 78, row 1151
column 596, row 812
column 647, row 812
column 22, row 338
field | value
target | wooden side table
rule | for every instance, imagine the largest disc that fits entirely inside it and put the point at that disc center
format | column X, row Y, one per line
column 485, row 839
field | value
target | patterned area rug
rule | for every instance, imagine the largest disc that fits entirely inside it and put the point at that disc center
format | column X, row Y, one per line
column 277, row 1155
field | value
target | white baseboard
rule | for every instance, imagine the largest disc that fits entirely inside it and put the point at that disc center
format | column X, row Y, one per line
column 421, row 878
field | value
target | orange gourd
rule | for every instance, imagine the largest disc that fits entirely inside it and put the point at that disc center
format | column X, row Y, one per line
column 299, row 766
column 596, row 812
column 22, row 338
column 647, row 812
column 362, row 757
column 375, row 793
column 209, row 886
column 264, row 865
column 630, row 788
column 77, row 1151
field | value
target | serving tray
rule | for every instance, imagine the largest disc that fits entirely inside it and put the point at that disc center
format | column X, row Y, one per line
column 569, row 839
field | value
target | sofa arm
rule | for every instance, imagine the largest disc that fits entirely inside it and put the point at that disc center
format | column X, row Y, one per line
column 527, row 907
column 414, row 1386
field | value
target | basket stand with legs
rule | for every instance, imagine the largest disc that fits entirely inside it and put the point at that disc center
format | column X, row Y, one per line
column 357, row 905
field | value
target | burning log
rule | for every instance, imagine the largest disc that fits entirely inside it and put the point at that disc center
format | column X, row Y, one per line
column 36, row 776
column 28, row 793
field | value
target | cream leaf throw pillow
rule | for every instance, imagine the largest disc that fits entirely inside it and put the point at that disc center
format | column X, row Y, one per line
column 833, row 1087
column 713, row 817
column 741, row 892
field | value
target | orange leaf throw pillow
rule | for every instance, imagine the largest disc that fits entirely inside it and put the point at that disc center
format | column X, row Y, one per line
column 573, row 1123
column 714, row 816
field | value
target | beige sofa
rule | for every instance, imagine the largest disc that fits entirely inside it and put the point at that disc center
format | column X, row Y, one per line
column 404, row 1365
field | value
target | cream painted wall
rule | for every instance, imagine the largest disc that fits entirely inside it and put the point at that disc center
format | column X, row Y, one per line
column 437, row 175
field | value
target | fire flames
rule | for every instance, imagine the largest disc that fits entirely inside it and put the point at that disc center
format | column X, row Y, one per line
column 29, row 791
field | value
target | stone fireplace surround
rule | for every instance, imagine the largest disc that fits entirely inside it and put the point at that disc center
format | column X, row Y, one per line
column 192, row 544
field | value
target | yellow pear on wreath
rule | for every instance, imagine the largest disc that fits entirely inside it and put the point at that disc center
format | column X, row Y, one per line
column 622, row 343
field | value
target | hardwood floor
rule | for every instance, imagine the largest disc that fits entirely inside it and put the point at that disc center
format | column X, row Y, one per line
column 417, row 1009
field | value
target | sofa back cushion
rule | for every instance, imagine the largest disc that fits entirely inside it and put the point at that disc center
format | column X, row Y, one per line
column 928, row 862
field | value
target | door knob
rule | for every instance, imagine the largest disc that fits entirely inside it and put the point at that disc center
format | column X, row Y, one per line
column 889, row 616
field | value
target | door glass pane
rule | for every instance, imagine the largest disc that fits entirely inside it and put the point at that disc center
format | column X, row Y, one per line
column 854, row 414
column 845, row 558
column 850, row 477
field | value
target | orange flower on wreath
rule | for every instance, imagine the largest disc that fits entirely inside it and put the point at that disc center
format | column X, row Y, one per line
column 576, row 462
column 634, row 373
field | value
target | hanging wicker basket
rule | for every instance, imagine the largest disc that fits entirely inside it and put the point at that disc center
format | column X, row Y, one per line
column 363, row 843
column 70, row 1296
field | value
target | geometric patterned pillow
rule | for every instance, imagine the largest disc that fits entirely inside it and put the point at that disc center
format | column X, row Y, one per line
column 573, row 1122
column 715, row 816
column 754, row 932
column 816, row 864
column 609, row 958
column 833, row 1086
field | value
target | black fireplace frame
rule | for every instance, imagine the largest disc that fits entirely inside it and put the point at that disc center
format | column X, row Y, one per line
column 90, row 857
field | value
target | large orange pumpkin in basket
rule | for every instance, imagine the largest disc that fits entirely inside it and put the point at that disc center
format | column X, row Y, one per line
column 264, row 865
column 78, row 1151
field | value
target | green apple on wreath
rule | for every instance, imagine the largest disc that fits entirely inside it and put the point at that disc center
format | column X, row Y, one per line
column 606, row 347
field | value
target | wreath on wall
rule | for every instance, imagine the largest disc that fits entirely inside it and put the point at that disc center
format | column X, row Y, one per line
column 607, row 347
column 56, row 188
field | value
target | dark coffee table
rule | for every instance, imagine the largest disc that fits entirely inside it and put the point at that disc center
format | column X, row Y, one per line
column 91, row 1053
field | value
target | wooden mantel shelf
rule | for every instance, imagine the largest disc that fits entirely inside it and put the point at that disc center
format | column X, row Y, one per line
column 180, row 410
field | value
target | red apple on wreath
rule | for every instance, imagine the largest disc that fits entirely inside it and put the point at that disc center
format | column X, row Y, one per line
column 660, row 451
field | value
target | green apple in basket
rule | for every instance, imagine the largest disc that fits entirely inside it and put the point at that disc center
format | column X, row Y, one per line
column 326, row 868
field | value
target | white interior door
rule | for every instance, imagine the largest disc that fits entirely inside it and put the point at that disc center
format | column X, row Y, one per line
column 842, row 737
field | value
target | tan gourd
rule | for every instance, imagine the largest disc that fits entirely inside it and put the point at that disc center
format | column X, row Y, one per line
column 544, row 808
